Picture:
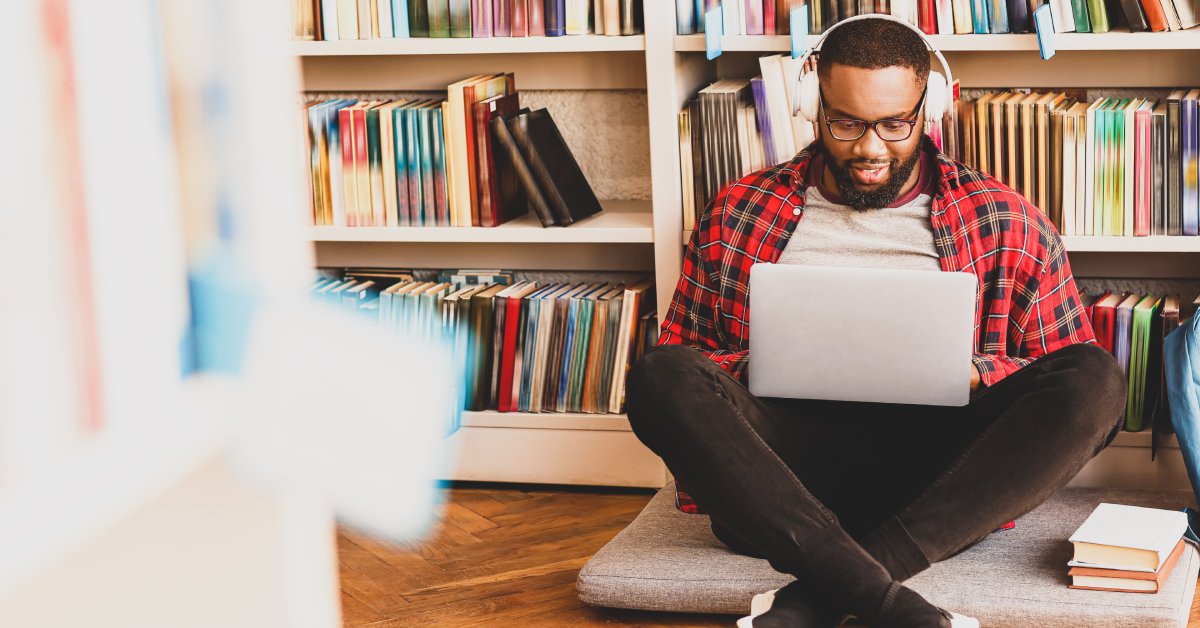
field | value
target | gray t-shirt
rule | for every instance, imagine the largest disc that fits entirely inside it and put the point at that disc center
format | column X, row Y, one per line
column 899, row 237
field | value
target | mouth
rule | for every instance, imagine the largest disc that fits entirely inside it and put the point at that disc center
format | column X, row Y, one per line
column 870, row 174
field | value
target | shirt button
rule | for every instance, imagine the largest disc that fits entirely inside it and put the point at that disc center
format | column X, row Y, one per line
column 796, row 212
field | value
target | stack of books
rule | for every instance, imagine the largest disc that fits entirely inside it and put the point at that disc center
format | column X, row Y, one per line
column 331, row 20
column 518, row 346
column 1126, row 548
column 472, row 159
column 934, row 17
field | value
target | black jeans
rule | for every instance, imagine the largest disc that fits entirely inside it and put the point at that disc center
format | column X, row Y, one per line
column 911, row 485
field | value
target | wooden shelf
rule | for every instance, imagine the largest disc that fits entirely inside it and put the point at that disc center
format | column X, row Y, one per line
column 547, row 420
column 1143, row 439
column 621, row 222
column 1151, row 244
column 1115, row 40
column 468, row 45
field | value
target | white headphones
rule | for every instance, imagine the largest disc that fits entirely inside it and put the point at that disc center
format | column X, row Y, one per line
column 807, row 98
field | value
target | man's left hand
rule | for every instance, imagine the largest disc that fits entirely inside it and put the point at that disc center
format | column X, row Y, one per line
column 976, row 382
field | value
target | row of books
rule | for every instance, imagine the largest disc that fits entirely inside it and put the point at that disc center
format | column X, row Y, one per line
column 1126, row 548
column 331, row 20
column 1112, row 167
column 475, row 158
column 934, row 17
column 518, row 346
column 1132, row 327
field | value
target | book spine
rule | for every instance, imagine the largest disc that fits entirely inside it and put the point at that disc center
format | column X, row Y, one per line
column 979, row 13
column 520, row 18
column 460, row 18
column 428, row 199
column 754, row 16
column 999, row 17
column 388, row 165
column 1144, row 165
column 927, row 17
column 962, row 15
column 386, row 23
column 1134, row 16
column 481, row 18
column 1190, row 168
column 400, row 139
column 375, row 165
column 506, row 143
column 400, row 18
column 1158, row 186
column 368, row 20
column 1083, row 23
column 768, row 11
column 555, row 15
column 501, row 19
column 483, row 165
column 439, row 18
column 329, row 20
column 437, row 144
column 1098, row 15
column 416, row 190
column 1174, row 169
column 362, row 168
column 349, row 178
column 537, row 18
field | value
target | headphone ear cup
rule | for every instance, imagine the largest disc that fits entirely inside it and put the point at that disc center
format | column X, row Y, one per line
column 936, row 97
column 809, row 96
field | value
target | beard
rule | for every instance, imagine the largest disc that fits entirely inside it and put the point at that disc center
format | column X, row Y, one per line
column 863, row 200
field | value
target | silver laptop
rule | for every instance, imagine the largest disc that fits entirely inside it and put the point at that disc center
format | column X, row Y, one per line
column 861, row 334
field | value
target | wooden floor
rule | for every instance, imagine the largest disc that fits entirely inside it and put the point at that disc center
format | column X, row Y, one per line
column 502, row 555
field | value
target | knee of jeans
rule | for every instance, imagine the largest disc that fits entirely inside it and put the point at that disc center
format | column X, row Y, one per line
column 1095, row 386
column 659, row 376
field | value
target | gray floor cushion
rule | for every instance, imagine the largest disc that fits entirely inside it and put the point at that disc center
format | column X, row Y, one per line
column 669, row 561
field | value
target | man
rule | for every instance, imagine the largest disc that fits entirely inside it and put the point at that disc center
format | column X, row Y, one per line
column 854, row 498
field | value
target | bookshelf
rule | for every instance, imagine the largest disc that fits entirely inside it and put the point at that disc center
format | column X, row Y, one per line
column 647, row 235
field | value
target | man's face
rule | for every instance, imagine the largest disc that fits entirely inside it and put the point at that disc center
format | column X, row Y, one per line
column 870, row 172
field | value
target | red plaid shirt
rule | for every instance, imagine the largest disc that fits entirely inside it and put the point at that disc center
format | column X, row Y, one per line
column 1027, row 304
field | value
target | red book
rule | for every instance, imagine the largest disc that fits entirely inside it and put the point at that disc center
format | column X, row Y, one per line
column 927, row 16
column 512, row 329
column 1155, row 16
column 362, row 168
column 519, row 19
column 349, row 189
column 491, row 211
column 535, row 14
column 1104, row 319
column 768, row 17
column 501, row 18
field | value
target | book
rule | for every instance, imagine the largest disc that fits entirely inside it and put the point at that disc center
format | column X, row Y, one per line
column 1104, row 314
column 517, row 186
column 1122, row 330
column 1190, row 177
column 1130, row 538
column 1094, row 579
column 492, row 211
column 559, row 177
column 1145, row 313
column 636, row 299
column 1175, row 163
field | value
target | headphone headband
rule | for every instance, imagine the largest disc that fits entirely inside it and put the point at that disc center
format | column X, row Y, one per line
column 871, row 16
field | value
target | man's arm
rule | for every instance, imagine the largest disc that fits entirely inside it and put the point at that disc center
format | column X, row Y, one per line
column 692, row 316
column 1055, row 317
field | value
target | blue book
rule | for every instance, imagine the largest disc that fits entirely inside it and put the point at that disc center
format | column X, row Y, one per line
column 555, row 15
column 979, row 14
column 399, row 18
column 568, row 354
column 530, row 312
column 1189, row 123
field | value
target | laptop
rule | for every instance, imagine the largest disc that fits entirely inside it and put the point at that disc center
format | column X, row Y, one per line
column 861, row 334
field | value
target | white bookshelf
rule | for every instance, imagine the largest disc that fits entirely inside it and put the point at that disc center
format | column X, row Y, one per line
column 469, row 46
column 621, row 222
column 647, row 235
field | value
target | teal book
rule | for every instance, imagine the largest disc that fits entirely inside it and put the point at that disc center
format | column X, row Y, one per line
column 399, row 139
column 437, row 140
column 583, row 338
column 425, row 128
column 375, row 168
column 412, row 156
column 439, row 18
column 1079, row 10
column 568, row 358
column 460, row 18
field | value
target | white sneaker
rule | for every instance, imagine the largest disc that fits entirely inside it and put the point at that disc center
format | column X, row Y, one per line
column 759, row 605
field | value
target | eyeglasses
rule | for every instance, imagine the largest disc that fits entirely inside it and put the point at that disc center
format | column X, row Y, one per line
column 888, row 129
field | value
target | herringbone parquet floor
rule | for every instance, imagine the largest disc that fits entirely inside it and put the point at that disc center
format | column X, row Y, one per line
column 502, row 555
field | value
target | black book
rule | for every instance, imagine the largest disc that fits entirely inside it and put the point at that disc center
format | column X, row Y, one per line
column 567, row 191
column 1174, row 164
column 418, row 19
column 516, row 184
column 1018, row 15
column 1132, row 9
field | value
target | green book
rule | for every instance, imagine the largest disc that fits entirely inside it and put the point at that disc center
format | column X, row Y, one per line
column 460, row 18
column 1144, row 314
column 1080, row 11
column 1098, row 14
column 418, row 18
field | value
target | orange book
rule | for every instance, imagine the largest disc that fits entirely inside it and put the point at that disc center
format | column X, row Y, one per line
column 1096, row 579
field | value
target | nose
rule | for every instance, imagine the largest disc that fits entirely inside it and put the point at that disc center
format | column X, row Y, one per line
column 870, row 146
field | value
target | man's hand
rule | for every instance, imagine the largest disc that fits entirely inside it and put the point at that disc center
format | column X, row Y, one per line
column 975, row 380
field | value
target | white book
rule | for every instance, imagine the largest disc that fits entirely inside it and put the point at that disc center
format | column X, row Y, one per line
column 1068, row 175
column 802, row 129
column 1168, row 8
column 384, row 11
column 1080, row 164
column 1063, row 18
column 779, row 106
column 329, row 19
column 1132, row 538
column 1186, row 10
column 730, row 24
column 1089, row 169
column 1128, row 165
